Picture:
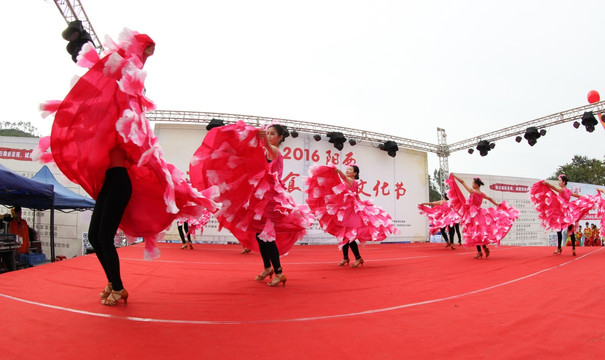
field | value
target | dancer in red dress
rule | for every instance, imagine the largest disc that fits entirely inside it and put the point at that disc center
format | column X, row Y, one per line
column 556, row 211
column 480, row 226
column 191, row 226
column 333, row 196
column 246, row 164
column 102, row 141
column 442, row 218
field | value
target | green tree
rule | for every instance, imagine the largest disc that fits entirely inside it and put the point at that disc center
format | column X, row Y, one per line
column 436, row 185
column 20, row 129
column 583, row 170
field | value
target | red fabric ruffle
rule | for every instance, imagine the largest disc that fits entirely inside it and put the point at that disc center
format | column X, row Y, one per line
column 555, row 211
column 341, row 213
column 440, row 216
column 254, row 200
column 481, row 226
column 105, row 110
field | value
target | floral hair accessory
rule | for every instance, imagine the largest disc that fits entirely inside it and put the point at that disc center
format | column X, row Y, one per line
column 562, row 175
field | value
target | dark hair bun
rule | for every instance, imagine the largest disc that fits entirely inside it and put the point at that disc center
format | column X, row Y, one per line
column 282, row 131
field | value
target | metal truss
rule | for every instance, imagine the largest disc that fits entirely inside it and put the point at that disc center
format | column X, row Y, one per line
column 519, row 129
column 442, row 149
column 300, row 126
column 72, row 10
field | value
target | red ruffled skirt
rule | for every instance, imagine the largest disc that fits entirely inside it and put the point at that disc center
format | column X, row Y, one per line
column 481, row 226
column 254, row 199
column 341, row 213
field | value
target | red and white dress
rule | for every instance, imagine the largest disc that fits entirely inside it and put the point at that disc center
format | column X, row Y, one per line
column 480, row 226
column 104, row 110
column 555, row 209
column 440, row 216
column 254, row 199
column 339, row 210
column 196, row 225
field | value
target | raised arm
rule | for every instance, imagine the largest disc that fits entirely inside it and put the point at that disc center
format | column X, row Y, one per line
column 490, row 199
column 463, row 183
column 272, row 150
column 344, row 177
column 552, row 187
column 433, row 203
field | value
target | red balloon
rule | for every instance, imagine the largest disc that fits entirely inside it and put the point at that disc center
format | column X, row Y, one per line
column 593, row 96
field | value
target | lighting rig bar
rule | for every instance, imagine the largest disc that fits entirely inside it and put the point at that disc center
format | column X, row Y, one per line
column 300, row 126
column 72, row 10
column 519, row 129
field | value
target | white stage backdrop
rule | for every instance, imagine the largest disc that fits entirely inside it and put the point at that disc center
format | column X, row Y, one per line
column 397, row 184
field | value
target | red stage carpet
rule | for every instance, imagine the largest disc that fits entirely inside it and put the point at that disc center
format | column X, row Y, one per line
column 409, row 301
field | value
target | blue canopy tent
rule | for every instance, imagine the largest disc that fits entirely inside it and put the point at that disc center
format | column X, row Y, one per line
column 63, row 200
column 17, row 190
column 42, row 192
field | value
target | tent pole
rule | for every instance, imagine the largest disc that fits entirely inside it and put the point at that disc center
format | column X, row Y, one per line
column 52, row 230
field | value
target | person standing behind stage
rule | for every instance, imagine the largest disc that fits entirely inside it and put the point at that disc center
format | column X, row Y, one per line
column 333, row 196
column 480, row 226
column 587, row 234
column 579, row 236
column 596, row 239
column 556, row 210
column 19, row 227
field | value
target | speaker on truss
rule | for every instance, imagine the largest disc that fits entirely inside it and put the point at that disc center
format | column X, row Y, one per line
column 76, row 37
column 337, row 138
column 589, row 121
column 214, row 123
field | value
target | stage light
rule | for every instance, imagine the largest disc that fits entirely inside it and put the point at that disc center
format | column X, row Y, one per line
column 589, row 121
column 532, row 135
column 77, row 37
column 294, row 133
column 390, row 147
column 576, row 124
column 316, row 137
column 543, row 132
column 214, row 123
column 518, row 139
column 352, row 142
column 337, row 138
column 470, row 151
column 492, row 146
column 483, row 147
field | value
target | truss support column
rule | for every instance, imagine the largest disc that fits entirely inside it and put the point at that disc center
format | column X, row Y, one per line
column 443, row 153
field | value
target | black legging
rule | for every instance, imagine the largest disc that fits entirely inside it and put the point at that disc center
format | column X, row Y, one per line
column 479, row 248
column 270, row 254
column 444, row 234
column 354, row 249
column 456, row 228
column 560, row 238
column 106, row 216
column 182, row 233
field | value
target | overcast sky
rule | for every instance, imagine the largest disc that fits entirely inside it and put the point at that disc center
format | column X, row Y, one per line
column 395, row 67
